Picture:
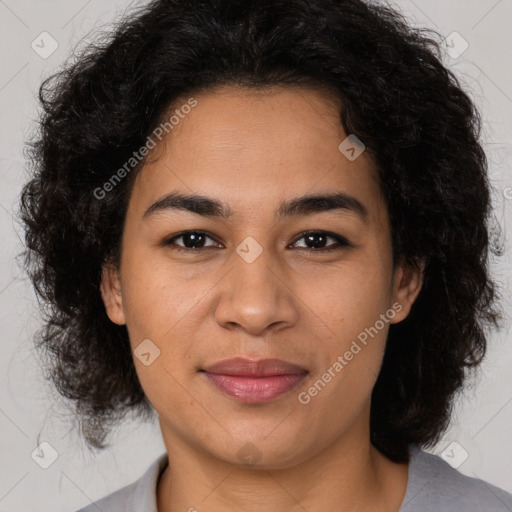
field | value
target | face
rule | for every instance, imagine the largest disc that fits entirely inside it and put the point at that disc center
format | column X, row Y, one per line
column 257, row 271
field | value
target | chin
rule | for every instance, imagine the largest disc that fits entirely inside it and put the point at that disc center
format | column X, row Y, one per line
column 258, row 453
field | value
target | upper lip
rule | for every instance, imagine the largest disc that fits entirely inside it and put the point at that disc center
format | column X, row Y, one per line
column 254, row 368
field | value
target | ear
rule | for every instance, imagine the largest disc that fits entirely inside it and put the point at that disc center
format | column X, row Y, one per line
column 110, row 288
column 407, row 283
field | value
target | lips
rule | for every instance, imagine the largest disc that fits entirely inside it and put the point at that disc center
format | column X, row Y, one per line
column 254, row 381
column 248, row 368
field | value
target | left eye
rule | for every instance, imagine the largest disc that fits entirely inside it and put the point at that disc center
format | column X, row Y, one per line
column 317, row 239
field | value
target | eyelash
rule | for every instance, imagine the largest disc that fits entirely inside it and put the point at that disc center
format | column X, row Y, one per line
column 341, row 242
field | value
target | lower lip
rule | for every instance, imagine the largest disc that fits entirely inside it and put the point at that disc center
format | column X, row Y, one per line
column 253, row 390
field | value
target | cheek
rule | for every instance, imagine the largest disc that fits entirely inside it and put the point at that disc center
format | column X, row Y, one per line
column 353, row 345
column 168, row 306
column 351, row 308
column 163, row 311
column 348, row 297
column 158, row 295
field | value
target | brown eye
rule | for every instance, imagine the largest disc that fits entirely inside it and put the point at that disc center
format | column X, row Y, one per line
column 191, row 240
column 317, row 241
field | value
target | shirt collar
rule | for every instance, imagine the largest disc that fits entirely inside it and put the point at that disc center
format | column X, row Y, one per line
column 144, row 493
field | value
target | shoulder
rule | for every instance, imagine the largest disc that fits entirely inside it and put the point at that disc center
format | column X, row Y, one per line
column 139, row 495
column 434, row 485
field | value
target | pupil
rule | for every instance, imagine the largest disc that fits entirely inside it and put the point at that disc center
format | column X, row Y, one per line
column 319, row 236
column 193, row 237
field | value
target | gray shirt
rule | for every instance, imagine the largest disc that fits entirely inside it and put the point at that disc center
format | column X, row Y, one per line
column 433, row 486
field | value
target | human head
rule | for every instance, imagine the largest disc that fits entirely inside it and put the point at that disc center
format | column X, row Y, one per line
column 419, row 128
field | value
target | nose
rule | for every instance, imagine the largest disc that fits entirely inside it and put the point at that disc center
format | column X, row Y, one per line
column 255, row 296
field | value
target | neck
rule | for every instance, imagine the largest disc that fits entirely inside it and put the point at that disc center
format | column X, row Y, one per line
column 348, row 475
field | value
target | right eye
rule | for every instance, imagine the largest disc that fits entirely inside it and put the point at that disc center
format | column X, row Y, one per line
column 192, row 241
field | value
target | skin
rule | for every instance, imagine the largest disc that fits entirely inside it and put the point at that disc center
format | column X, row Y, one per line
column 252, row 150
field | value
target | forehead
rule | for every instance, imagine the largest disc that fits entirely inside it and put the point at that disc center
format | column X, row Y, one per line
column 249, row 147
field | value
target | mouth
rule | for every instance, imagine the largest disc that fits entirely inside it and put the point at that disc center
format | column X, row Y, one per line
column 254, row 382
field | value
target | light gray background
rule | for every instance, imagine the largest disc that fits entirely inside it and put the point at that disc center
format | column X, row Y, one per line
column 28, row 406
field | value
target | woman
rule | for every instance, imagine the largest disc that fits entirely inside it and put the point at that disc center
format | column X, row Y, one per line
column 266, row 224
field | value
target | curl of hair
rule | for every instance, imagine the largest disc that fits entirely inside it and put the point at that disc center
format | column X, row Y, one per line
column 411, row 112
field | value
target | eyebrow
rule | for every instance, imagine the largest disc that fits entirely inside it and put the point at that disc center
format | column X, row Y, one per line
column 303, row 205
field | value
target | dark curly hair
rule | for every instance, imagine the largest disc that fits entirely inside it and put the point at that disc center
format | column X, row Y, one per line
column 421, row 129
